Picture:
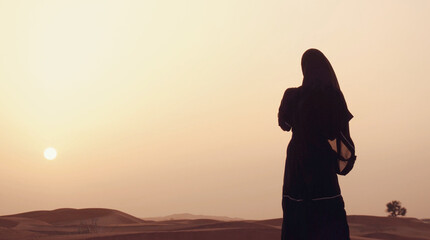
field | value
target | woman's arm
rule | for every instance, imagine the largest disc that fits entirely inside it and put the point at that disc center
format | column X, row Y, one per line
column 285, row 110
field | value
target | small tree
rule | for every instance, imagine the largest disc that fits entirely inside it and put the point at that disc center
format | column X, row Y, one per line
column 394, row 208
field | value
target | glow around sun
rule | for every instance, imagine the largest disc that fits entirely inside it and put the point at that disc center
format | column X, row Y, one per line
column 50, row 153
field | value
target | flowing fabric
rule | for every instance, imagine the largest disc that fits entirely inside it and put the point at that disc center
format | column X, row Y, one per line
column 317, row 114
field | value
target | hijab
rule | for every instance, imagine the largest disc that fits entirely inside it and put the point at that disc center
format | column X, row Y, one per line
column 317, row 70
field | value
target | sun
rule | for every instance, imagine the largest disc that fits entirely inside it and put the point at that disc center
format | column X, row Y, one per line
column 50, row 153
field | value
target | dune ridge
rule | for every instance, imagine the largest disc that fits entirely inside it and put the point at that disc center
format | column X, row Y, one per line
column 183, row 216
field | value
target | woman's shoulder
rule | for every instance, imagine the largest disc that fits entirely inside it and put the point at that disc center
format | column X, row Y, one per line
column 321, row 93
column 293, row 89
column 292, row 92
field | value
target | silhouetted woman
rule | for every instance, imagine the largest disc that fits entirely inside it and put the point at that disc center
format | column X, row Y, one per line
column 318, row 116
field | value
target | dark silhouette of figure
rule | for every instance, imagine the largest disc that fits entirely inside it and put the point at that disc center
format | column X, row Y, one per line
column 317, row 114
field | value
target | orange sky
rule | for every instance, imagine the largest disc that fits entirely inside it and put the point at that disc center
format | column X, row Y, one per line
column 161, row 107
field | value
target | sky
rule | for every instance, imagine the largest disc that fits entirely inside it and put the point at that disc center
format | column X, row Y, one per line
column 159, row 107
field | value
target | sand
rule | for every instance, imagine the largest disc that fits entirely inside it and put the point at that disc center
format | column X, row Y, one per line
column 108, row 224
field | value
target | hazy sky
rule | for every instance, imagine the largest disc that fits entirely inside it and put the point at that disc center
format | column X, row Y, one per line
column 160, row 107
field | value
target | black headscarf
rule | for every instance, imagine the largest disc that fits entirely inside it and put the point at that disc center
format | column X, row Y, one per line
column 317, row 70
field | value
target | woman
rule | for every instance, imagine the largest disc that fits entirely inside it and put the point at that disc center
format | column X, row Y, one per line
column 318, row 116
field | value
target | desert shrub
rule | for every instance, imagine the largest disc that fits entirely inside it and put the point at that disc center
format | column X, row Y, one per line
column 394, row 208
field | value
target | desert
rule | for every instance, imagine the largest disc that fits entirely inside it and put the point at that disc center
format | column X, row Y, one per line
column 109, row 224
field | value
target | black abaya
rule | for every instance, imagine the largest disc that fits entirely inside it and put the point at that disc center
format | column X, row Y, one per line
column 313, row 208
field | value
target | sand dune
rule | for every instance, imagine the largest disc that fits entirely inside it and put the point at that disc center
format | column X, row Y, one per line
column 21, row 223
column 74, row 224
column 12, row 234
column 189, row 216
column 389, row 228
column 70, row 216
column 8, row 223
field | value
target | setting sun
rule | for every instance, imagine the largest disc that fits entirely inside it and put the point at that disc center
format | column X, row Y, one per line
column 50, row 153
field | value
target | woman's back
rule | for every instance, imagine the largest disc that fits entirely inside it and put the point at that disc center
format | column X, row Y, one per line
column 312, row 113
